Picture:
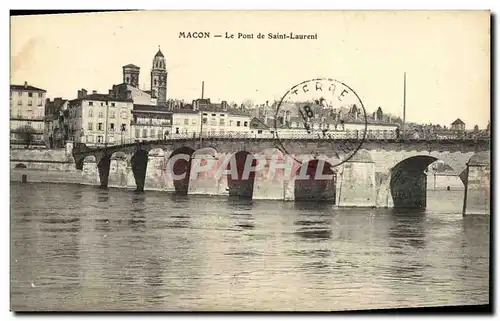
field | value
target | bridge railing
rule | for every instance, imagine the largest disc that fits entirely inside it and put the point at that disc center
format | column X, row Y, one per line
column 317, row 135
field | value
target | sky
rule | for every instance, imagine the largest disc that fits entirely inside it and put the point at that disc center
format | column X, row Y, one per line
column 446, row 56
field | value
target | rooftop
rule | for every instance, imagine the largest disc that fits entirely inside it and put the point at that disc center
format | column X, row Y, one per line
column 26, row 87
column 100, row 97
column 131, row 66
column 151, row 109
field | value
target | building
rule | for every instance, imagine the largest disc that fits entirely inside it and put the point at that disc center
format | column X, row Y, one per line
column 99, row 119
column 27, row 114
column 186, row 121
column 56, row 122
column 458, row 125
column 323, row 120
column 151, row 122
column 210, row 119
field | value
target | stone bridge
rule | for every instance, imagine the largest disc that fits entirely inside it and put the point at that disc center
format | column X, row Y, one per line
column 377, row 173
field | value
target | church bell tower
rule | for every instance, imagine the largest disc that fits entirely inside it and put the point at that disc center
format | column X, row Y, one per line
column 159, row 78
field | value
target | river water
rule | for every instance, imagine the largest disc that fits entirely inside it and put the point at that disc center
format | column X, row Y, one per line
column 81, row 248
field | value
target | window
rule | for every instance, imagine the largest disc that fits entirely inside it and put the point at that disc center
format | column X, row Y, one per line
column 213, row 115
column 194, row 122
column 144, row 133
column 137, row 133
column 222, row 115
column 90, row 138
column 91, row 103
column 102, row 104
column 30, row 102
column 99, row 139
column 230, row 123
column 90, row 112
column 238, row 123
column 90, row 126
column 245, row 124
column 19, row 93
column 99, row 126
column 204, row 114
column 101, row 114
column 19, row 102
column 112, row 127
column 204, row 120
column 123, row 127
column 186, row 121
column 259, row 131
column 222, row 122
column 112, row 104
column 30, row 94
column 40, row 95
column 112, row 114
column 39, row 103
column 153, row 132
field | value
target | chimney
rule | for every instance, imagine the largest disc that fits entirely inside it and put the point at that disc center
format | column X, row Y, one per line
column 79, row 94
column 25, row 85
column 94, row 92
column 224, row 105
column 110, row 92
column 84, row 93
column 202, row 89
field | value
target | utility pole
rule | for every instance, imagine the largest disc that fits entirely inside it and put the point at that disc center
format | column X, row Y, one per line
column 404, row 105
column 201, row 112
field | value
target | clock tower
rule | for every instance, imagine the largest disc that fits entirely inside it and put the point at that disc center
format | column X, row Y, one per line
column 159, row 78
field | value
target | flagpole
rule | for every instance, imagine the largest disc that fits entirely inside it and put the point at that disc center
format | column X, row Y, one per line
column 404, row 104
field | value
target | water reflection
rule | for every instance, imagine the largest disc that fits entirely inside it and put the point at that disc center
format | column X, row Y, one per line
column 240, row 210
column 407, row 238
column 314, row 227
column 102, row 195
column 407, row 229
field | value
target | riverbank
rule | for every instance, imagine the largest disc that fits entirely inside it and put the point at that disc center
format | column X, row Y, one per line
column 46, row 176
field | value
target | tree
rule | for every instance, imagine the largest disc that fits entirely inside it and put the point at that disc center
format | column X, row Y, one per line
column 26, row 134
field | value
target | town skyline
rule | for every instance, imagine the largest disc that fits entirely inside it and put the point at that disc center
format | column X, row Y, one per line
column 441, row 86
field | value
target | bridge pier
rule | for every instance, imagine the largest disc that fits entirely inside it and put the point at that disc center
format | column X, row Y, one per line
column 477, row 186
column 103, row 167
column 139, row 164
column 356, row 185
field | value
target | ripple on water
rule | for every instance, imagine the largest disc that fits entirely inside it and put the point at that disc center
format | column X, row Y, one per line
column 76, row 247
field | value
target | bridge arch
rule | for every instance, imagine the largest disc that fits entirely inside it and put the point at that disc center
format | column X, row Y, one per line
column 408, row 182
column 158, row 152
column 180, row 167
column 238, row 184
column 315, row 180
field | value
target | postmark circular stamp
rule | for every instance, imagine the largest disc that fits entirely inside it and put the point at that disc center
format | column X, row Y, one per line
column 322, row 110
